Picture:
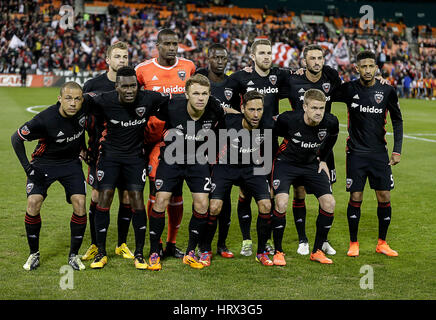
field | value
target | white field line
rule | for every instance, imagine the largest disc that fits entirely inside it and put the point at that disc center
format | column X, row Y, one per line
column 408, row 136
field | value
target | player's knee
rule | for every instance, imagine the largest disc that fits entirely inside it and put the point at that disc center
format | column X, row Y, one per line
column 215, row 207
column 105, row 198
column 356, row 196
column 383, row 196
column 327, row 203
column 94, row 195
column 162, row 201
column 265, row 206
column 201, row 204
column 34, row 203
column 79, row 203
column 281, row 203
column 136, row 200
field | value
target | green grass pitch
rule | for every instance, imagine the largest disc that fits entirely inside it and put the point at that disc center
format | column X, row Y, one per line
column 409, row 276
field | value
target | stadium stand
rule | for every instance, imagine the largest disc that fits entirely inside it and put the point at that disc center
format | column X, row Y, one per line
column 30, row 35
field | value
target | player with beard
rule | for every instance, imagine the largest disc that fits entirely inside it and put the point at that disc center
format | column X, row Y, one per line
column 321, row 77
column 266, row 80
column 238, row 170
column 117, row 56
column 368, row 102
column 217, row 61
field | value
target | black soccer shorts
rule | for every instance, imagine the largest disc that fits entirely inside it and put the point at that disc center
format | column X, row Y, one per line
column 125, row 173
column 224, row 176
column 374, row 166
column 70, row 175
column 285, row 173
column 170, row 176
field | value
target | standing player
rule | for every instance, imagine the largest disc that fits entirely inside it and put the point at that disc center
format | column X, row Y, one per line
column 217, row 61
column 188, row 120
column 368, row 103
column 326, row 79
column 167, row 74
column 125, row 112
column 266, row 80
column 309, row 137
column 225, row 174
column 117, row 56
column 60, row 130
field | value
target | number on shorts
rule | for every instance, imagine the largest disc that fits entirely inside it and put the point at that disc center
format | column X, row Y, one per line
column 208, row 184
column 144, row 175
column 392, row 180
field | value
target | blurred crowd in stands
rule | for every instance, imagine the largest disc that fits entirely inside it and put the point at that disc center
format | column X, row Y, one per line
column 31, row 38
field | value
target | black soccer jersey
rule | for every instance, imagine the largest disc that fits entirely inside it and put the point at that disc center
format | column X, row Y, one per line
column 123, row 134
column 241, row 82
column 223, row 92
column 247, row 146
column 187, row 134
column 60, row 139
column 101, row 83
column 94, row 126
column 367, row 111
column 298, row 85
column 302, row 143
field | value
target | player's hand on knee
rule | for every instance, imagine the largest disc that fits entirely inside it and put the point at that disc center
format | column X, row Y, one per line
column 35, row 174
column 323, row 167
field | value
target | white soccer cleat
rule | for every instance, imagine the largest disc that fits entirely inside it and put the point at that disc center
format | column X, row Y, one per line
column 247, row 248
column 303, row 248
column 328, row 249
column 32, row 262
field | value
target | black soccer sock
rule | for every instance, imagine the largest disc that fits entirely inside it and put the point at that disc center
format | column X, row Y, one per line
column 299, row 211
column 33, row 227
column 263, row 228
column 384, row 212
column 353, row 216
column 224, row 221
column 123, row 222
column 197, row 227
column 91, row 213
column 77, row 228
column 102, row 220
column 244, row 216
column 139, row 223
column 323, row 224
column 157, row 224
column 209, row 233
column 278, row 225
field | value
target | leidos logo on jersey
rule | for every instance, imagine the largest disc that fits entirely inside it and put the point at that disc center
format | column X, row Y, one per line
column 170, row 89
column 264, row 90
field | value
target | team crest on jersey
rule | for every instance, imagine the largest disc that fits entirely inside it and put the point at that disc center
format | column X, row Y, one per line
column 326, row 87
column 82, row 121
column 378, row 97
column 29, row 187
column 158, row 183
column 322, row 134
column 228, row 93
column 259, row 138
column 182, row 74
column 276, row 184
column 100, row 175
column 140, row 111
column 349, row 183
column 273, row 79
column 207, row 125
column 91, row 179
column 25, row 131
